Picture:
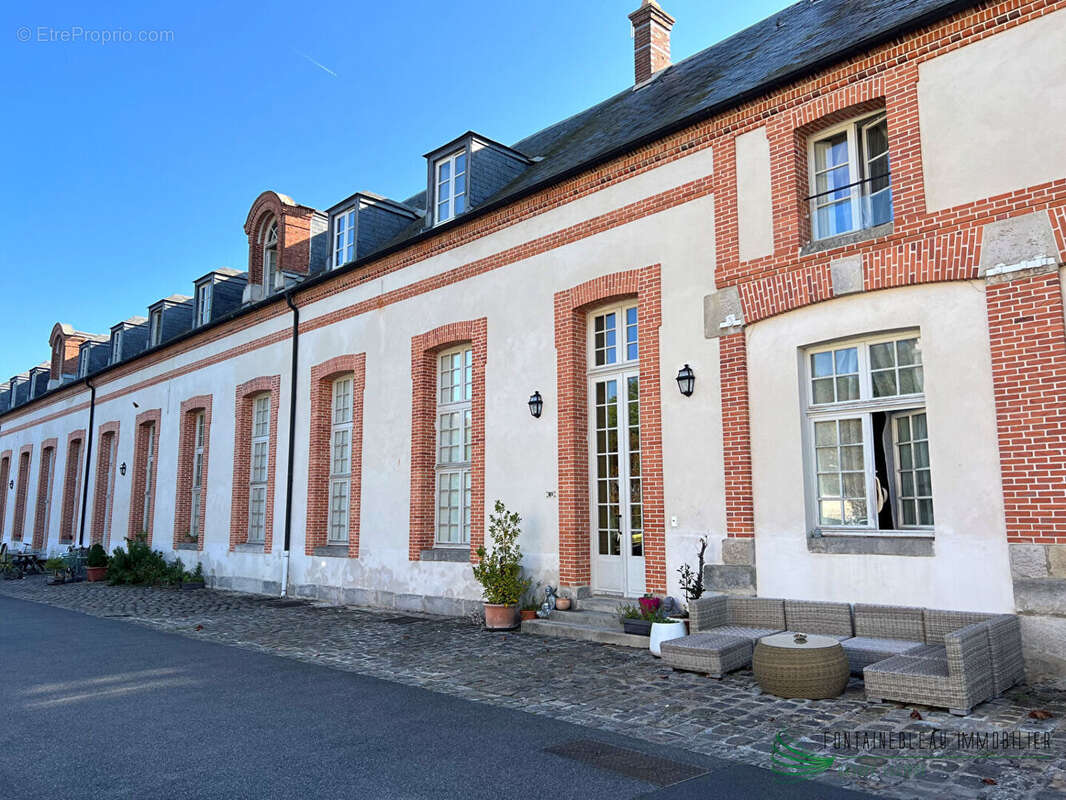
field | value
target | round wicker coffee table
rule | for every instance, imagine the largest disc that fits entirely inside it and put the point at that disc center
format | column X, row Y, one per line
column 815, row 668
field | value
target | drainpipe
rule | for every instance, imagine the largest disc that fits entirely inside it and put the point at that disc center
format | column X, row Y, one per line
column 292, row 441
column 88, row 458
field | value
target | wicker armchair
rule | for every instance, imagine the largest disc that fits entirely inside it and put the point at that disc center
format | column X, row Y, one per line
column 882, row 632
column 958, row 682
column 724, row 630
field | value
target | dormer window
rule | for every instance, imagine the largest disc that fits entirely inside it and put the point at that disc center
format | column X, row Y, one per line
column 203, row 304
column 344, row 237
column 155, row 329
column 450, row 186
column 116, row 346
column 270, row 255
column 83, row 362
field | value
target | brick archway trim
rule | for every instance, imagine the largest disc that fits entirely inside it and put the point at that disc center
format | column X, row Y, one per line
column 186, row 449
column 104, row 467
column 424, row 349
column 45, row 483
column 72, row 477
column 242, row 457
column 137, row 488
column 571, row 306
column 5, row 476
column 21, row 490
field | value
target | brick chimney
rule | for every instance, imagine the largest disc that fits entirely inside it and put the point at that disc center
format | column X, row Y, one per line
column 651, row 39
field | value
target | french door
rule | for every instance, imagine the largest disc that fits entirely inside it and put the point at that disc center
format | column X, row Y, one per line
column 618, row 524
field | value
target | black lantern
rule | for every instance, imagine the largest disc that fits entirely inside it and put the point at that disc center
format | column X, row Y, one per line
column 536, row 405
column 686, row 380
column 11, row 484
column 122, row 468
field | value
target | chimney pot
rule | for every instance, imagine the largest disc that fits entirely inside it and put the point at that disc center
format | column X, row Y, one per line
column 651, row 40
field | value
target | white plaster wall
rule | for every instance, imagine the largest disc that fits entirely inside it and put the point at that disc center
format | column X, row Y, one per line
column 990, row 114
column 755, row 222
column 970, row 569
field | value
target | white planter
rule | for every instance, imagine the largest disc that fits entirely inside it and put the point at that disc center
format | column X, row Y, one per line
column 664, row 632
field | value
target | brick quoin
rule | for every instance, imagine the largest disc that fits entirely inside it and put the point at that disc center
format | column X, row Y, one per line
column 186, row 449
column 5, row 476
column 102, row 492
column 72, row 477
column 244, row 408
column 1026, row 328
column 318, row 457
column 736, row 436
column 45, row 482
column 575, row 522
column 22, row 487
column 144, row 421
column 424, row 376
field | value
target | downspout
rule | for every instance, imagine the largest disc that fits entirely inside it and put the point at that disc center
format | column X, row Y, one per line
column 88, row 458
column 292, row 441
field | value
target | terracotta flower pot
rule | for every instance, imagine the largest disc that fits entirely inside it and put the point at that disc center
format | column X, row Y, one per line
column 528, row 614
column 94, row 574
column 497, row 616
column 562, row 603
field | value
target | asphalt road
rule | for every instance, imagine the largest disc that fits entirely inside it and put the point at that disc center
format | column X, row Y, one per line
column 99, row 708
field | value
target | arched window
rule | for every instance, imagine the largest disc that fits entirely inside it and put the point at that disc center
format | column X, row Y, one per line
column 270, row 254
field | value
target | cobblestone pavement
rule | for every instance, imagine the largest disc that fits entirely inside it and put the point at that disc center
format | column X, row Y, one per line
column 613, row 688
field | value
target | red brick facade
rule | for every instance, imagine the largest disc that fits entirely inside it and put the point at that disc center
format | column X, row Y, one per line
column 5, row 490
column 45, row 482
column 294, row 234
column 244, row 407
column 103, row 491
column 186, row 450
column 575, row 522
column 72, row 477
column 18, row 526
column 424, row 376
column 318, row 457
column 147, row 421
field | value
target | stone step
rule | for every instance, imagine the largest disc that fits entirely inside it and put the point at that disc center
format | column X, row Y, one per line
column 589, row 633
column 604, row 603
column 583, row 616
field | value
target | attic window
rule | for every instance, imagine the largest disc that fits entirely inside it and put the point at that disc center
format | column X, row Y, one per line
column 83, row 362
column 270, row 255
column 203, row 304
column 155, row 331
column 344, row 237
column 450, row 186
column 116, row 346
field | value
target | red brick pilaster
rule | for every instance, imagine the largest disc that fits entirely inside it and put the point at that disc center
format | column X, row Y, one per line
column 45, row 481
column 424, row 349
column 244, row 409
column 5, row 476
column 318, row 457
column 104, row 488
column 186, row 447
column 21, row 489
column 71, row 486
column 736, row 435
column 1028, row 341
column 575, row 528
column 145, row 420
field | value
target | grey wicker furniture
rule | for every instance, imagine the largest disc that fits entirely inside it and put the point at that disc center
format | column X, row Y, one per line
column 791, row 665
column 951, row 659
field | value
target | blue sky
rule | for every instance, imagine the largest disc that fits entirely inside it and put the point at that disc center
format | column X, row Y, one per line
column 128, row 168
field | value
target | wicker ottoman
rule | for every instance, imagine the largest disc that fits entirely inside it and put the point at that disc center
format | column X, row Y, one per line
column 815, row 669
column 712, row 653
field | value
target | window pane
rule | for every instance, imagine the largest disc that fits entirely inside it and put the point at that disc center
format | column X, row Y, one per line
column 884, row 383
column 825, row 433
column 925, row 512
column 444, row 171
column 831, row 512
column 822, row 364
column 854, row 484
column 829, row 485
column 460, row 163
column 909, row 352
column 851, row 458
column 882, row 355
column 828, row 459
column 851, row 431
column 847, row 360
column 854, row 512
column 910, row 380
column 823, row 391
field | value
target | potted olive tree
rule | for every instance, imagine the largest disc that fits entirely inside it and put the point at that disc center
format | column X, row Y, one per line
column 500, row 571
column 96, row 563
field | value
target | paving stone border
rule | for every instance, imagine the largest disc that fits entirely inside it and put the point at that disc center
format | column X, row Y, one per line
column 612, row 688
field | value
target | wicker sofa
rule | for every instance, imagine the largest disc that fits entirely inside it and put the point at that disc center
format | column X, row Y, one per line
column 951, row 659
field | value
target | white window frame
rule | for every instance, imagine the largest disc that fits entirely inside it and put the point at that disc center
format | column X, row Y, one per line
column 438, row 198
column 343, row 251
column 270, row 240
column 864, row 407
column 196, row 478
column 450, row 470
column 155, row 327
column 337, row 527
column 857, row 164
column 203, row 303
column 116, row 346
column 622, row 329
column 83, row 362
column 149, row 470
column 258, row 476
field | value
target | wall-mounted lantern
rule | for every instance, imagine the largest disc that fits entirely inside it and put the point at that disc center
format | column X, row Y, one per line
column 122, row 468
column 536, row 404
column 686, row 380
column 11, row 484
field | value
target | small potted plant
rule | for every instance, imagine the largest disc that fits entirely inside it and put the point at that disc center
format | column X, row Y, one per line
column 500, row 571
column 530, row 605
column 635, row 620
column 194, row 579
column 96, row 563
column 190, row 537
column 691, row 582
column 58, row 567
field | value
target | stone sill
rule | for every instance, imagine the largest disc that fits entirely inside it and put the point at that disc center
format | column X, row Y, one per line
column 845, row 239
column 249, row 547
column 459, row 555
column 872, row 545
column 186, row 546
column 331, row 551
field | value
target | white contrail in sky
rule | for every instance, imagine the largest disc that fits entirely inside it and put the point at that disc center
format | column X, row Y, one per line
column 320, row 66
